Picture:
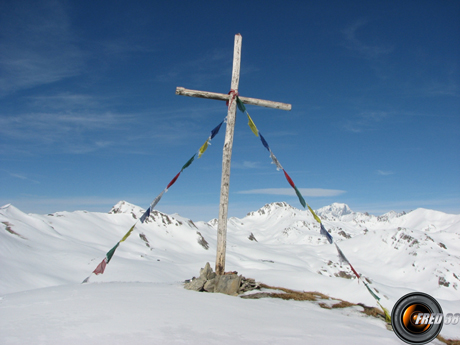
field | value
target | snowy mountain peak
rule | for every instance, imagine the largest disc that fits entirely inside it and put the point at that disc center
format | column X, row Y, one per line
column 11, row 211
column 390, row 215
column 336, row 210
column 5, row 206
column 274, row 207
column 126, row 207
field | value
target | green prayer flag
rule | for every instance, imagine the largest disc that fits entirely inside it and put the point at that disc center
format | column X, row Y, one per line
column 186, row 165
column 301, row 199
column 111, row 252
column 372, row 292
column 240, row 105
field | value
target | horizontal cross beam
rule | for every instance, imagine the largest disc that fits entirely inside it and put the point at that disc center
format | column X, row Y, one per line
column 225, row 97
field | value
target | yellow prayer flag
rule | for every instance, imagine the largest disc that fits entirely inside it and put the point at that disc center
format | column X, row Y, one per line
column 128, row 233
column 203, row 148
column 386, row 312
column 314, row 214
column 252, row 125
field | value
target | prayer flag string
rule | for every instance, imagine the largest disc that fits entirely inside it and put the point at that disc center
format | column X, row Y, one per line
column 200, row 152
column 323, row 230
column 101, row 267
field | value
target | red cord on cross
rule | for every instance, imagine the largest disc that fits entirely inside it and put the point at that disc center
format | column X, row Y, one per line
column 234, row 94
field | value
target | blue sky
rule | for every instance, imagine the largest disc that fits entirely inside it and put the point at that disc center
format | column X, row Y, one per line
column 89, row 115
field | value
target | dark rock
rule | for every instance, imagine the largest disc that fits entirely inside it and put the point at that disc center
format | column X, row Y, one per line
column 201, row 241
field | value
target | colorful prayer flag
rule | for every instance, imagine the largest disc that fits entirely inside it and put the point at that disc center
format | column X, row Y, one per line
column 99, row 269
column 216, row 130
column 127, row 234
column 356, row 273
column 288, row 178
column 386, row 312
column 372, row 292
column 325, row 233
column 314, row 215
column 186, row 165
column 173, row 181
column 252, row 125
column 275, row 161
column 157, row 199
column 145, row 215
column 111, row 252
column 264, row 142
column 301, row 199
column 240, row 105
column 203, row 148
column 342, row 257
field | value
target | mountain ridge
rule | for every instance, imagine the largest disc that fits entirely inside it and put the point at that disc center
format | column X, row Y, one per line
column 278, row 243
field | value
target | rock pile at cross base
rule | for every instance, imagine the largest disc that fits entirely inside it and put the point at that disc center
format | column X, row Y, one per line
column 229, row 283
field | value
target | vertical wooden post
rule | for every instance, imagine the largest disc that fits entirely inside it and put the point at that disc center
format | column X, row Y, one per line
column 226, row 158
column 228, row 145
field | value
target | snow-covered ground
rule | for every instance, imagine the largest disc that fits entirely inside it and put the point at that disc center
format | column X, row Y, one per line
column 140, row 298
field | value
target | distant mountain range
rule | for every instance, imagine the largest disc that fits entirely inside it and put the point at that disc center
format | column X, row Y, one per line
column 277, row 244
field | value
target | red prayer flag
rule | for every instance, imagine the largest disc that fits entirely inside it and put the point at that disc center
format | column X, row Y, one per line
column 173, row 181
column 356, row 274
column 289, row 179
column 101, row 267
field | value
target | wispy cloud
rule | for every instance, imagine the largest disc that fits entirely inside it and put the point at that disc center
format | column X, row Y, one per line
column 374, row 52
column 20, row 176
column 365, row 121
column 37, row 45
column 365, row 50
column 65, row 100
column 85, row 126
column 63, row 132
column 384, row 173
column 307, row 192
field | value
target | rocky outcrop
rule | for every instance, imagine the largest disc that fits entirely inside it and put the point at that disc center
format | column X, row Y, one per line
column 229, row 283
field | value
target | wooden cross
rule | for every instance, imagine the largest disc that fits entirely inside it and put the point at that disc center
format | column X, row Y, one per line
column 228, row 144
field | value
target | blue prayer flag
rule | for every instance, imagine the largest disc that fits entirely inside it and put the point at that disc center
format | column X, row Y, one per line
column 145, row 215
column 264, row 142
column 216, row 130
column 325, row 233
